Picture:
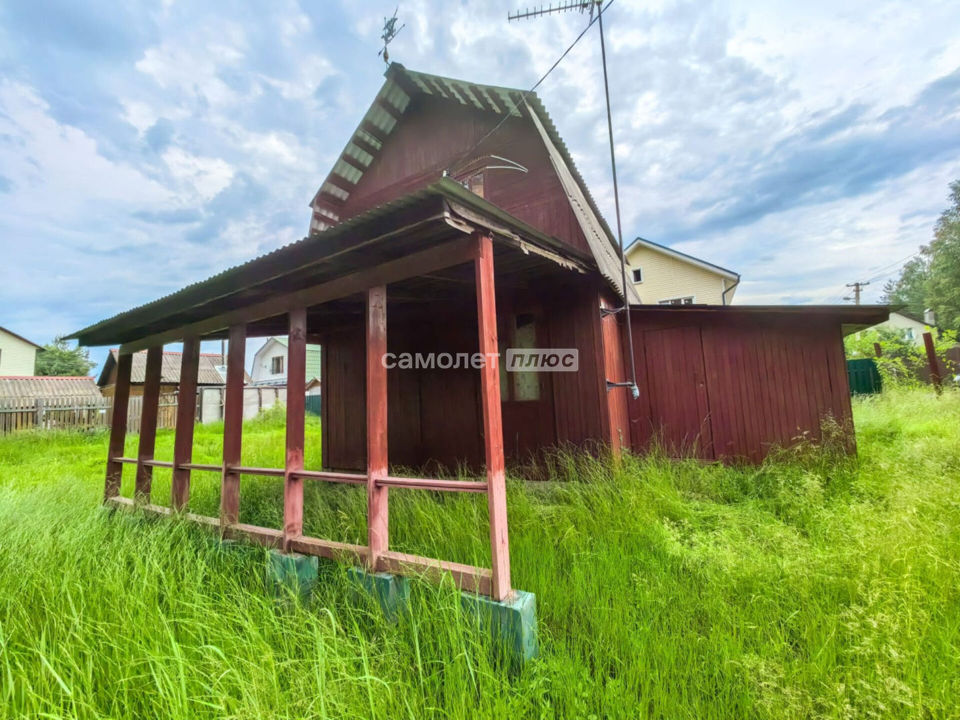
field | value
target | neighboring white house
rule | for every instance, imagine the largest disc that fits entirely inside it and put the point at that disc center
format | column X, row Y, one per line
column 270, row 363
column 664, row 276
column 18, row 356
column 911, row 326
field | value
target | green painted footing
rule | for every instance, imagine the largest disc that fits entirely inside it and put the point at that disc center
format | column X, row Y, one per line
column 391, row 591
column 290, row 572
column 513, row 622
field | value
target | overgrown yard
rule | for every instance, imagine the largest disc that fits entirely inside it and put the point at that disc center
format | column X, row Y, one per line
column 809, row 587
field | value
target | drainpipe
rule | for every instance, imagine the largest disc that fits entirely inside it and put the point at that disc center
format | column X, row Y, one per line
column 732, row 287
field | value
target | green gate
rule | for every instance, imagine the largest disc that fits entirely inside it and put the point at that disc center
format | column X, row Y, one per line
column 312, row 404
column 863, row 376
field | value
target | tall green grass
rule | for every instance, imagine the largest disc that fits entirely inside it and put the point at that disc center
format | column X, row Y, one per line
column 812, row 586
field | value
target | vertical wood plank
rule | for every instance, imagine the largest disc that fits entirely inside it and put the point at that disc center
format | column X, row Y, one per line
column 932, row 361
column 186, row 416
column 296, row 391
column 233, row 427
column 377, row 498
column 148, row 423
column 492, row 420
column 118, row 426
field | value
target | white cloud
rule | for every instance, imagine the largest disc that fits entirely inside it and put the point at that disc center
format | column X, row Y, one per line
column 205, row 176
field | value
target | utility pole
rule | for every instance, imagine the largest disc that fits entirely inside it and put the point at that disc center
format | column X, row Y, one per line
column 857, row 289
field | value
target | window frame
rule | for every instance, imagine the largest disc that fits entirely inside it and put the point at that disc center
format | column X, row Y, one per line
column 274, row 361
column 634, row 271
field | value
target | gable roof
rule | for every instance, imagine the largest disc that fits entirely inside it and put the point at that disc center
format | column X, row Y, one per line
column 683, row 257
column 48, row 386
column 207, row 373
column 911, row 316
column 20, row 337
column 386, row 112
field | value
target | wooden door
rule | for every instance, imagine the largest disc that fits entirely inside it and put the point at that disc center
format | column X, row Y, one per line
column 673, row 408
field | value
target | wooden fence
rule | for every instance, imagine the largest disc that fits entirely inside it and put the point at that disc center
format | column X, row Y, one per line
column 82, row 413
column 77, row 413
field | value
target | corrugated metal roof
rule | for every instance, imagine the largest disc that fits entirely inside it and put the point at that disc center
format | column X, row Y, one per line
column 207, row 373
column 48, row 387
column 308, row 251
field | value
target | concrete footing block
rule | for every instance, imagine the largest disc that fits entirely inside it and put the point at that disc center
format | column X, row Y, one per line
column 291, row 572
column 512, row 623
column 392, row 592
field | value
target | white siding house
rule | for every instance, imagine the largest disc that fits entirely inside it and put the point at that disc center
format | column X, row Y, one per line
column 270, row 363
column 664, row 276
column 18, row 356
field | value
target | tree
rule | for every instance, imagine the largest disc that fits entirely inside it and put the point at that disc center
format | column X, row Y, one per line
column 943, row 285
column 58, row 358
column 932, row 280
column 910, row 288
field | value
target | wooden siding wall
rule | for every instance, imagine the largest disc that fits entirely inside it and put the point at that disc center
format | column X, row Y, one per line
column 435, row 133
column 435, row 415
column 732, row 388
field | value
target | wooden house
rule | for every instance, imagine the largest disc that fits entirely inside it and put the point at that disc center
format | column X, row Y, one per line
column 454, row 226
column 664, row 276
column 209, row 373
column 18, row 356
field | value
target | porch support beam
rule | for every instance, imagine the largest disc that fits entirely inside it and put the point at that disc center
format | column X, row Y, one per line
column 232, row 427
column 296, row 391
column 118, row 427
column 454, row 252
column 186, row 417
column 148, row 423
column 377, row 495
column 492, row 419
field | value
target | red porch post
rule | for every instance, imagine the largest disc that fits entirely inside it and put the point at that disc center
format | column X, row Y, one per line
column 186, row 417
column 296, row 390
column 148, row 423
column 232, row 427
column 118, row 426
column 377, row 499
column 492, row 420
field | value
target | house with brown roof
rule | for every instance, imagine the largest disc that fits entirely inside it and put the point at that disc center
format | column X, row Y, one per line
column 210, row 374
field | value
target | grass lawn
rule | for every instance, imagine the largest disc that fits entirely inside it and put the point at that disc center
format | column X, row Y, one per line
column 809, row 587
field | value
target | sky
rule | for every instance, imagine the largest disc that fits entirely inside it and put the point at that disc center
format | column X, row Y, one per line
column 146, row 146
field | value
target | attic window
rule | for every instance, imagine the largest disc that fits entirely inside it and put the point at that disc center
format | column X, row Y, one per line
column 637, row 275
column 276, row 365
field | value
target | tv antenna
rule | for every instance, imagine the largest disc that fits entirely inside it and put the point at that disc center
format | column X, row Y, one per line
column 390, row 31
column 591, row 6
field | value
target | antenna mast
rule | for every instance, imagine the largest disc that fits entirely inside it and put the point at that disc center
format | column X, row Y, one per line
column 583, row 6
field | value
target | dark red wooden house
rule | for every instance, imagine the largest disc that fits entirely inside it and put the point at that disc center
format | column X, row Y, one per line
column 455, row 222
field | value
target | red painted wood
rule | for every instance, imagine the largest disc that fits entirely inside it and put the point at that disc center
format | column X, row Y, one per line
column 492, row 422
column 148, row 423
column 932, row 361
column 420, row 148
column 296, row 391
column 233, row 426
column 615, row 369
column 755, row 382
column 377, row 460
column 118, row 427
column 186, row 417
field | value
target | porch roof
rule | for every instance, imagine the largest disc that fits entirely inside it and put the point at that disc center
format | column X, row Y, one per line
column 438, row 215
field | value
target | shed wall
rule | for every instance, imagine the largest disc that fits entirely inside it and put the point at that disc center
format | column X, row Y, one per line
column 734, row 387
